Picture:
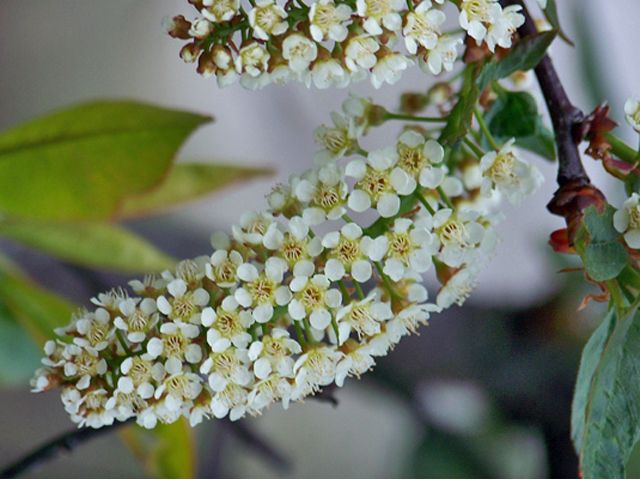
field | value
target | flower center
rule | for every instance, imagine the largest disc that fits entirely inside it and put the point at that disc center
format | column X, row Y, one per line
column 140, row 371
column 347, row 251
column 401, row 246
column 175, row 344
column 261, row 290
column 327, row 197
column 183, row 308
column 375, row 183
column 634, row 218
column 228, row 323
column 453, row 233
column 311, row 297
column 411, row 160
column 138, row 321
column 273, row 348
column 292, row 251
column 502, row 169
column 477, row 10
column 87, row 364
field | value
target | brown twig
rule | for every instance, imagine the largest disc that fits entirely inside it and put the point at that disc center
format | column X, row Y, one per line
column 575, row 192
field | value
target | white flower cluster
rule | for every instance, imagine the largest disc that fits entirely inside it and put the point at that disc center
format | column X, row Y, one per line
column 279, row 311
column 329, row 42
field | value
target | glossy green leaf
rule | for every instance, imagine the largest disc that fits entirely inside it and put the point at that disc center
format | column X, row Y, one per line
column 603, row 255
column 512, row 114
column 166, row 451
column 551, row 14
column 515, row 114
column 37, row 310
column 19, row 355
column 606, row 407
column 93, row 245
column 81, row 163
column 187, row 182
column 541, row 143
column 525, row 55
column 460, row 118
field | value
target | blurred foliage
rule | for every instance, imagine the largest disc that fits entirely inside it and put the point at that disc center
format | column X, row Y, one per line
column 64, row 180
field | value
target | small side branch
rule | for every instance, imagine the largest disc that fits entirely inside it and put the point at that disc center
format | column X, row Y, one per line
column 67, row 441
column 576, row 192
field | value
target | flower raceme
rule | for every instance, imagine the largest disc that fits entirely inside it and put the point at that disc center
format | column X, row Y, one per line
column 278, row 311
column 333, row 42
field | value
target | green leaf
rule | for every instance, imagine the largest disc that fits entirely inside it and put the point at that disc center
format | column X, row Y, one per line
column 19, row 355
column 81, row 163
column 589, row 364
column 166, row 451
column 512, row 114
column 606, row 407
column 604, row 256
column 37, row 310
column 187, row 182
column 541, row 143
column 93, row 245
column 525, row 55
column 551, row 14
column 460, row 118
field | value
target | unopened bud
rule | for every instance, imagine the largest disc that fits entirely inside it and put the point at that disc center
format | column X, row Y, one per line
column 177, row 27
column 190, row 52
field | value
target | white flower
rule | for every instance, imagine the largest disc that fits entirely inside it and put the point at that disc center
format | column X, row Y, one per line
column 262, row 290
column 356, row 362
column 227, row 325
column 273, row 353
column 627, row 220
column 378, row 13
column 389, row 69
column 179, row 387
column 409, row 246
column 315, row 368
column 418, row 158
column 407, row 320
column 349, row 253
column 512, row 176
column 294, row 245
column 364, row 317
column 632, row 112
column 223, row 268
column 422, row 27
column 326, row 193
column 458, row 287
column 227, row 367
column 252, row 60
column 378, row 183
column 219, row 11
column 336, row 141
column 477, row 15
column 140, row 375
column 137, row 322
column 458, row 233
column 327, row 72
column 326, row 20
column 442, row 57
column 175, row 341
column 184, row 304
column 313, row 298
column 266, row 19
column 253, row 226
column 361, row 52
column 95, row 330
column 83, row 364
column 231, row 400
column 268, row 391
column 90, row 410
column 299, row 51
column 503, row 27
